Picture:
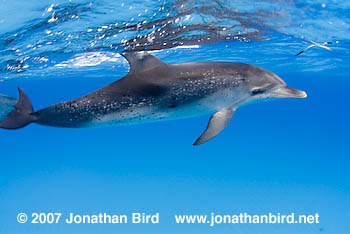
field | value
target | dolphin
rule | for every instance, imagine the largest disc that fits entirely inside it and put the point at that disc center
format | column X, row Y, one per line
column 154, row 91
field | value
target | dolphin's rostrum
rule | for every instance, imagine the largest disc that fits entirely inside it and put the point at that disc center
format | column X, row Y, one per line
column 154, row 90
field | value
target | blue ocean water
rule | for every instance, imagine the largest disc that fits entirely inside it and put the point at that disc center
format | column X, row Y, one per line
column 281, row 156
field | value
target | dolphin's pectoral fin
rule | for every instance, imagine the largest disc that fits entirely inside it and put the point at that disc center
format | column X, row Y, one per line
column 142, row 61
column 217, row 123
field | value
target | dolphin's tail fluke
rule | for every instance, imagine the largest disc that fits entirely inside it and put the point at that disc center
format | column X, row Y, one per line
column 22, row 115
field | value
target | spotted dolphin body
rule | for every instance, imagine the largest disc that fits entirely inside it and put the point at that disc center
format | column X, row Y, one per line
column 154, row 91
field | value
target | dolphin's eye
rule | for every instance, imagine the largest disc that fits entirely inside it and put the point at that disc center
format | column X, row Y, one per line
column 257, row 91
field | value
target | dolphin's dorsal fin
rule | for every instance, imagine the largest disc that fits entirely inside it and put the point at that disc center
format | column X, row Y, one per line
column 142, row 61
column 217, row 123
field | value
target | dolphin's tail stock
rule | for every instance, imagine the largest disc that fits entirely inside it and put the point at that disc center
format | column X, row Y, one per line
column 21, row 115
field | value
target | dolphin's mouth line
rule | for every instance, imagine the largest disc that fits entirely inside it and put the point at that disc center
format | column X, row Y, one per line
column 287, row 92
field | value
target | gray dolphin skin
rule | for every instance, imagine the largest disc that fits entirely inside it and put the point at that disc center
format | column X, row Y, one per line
column 154, row 91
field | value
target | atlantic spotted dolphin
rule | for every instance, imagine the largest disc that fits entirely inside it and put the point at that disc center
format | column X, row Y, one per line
column 154, row 91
